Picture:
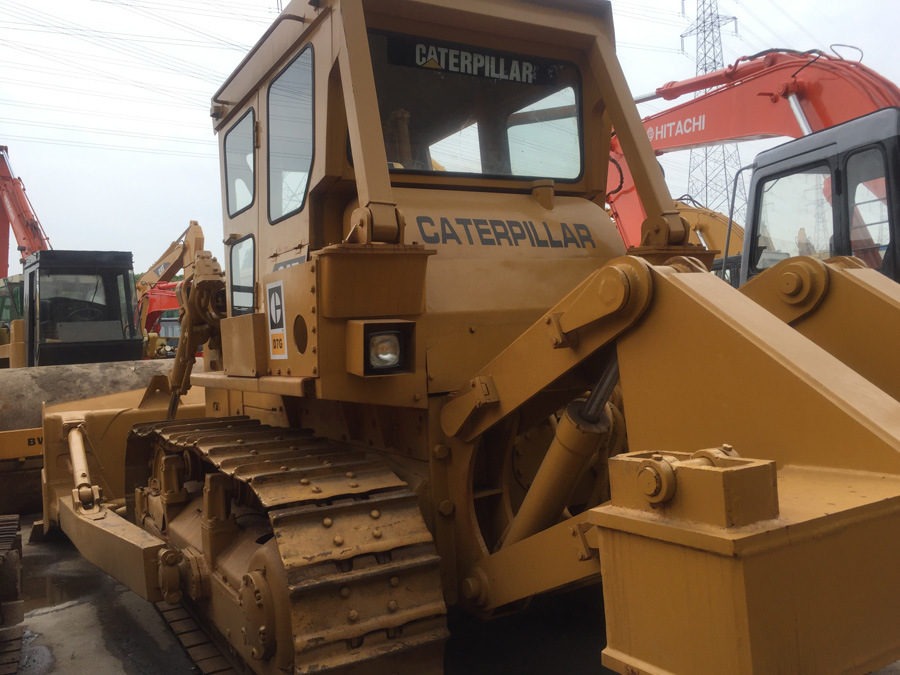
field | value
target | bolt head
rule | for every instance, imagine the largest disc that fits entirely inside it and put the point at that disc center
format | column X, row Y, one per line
column 650, row 481
column 471, row 588
column 791, row 283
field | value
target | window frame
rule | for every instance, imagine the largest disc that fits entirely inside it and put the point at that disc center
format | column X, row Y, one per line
column 252, row 113
column 308, row 48
column 231, row 285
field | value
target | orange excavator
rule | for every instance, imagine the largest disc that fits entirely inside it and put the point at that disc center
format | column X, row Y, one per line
column 17, row 215
column 771, row 94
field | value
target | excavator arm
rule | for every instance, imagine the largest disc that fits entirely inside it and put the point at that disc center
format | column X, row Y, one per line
column 155, row 291
column 771, row 94
column 18, row 215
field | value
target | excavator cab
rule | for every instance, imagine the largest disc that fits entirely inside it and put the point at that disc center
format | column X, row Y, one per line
column 10, row 299
column 835, row 192
column 79, row 308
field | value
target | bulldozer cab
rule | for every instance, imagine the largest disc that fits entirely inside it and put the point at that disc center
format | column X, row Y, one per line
column 456, row 130
column 79, row 308
column 835, row 192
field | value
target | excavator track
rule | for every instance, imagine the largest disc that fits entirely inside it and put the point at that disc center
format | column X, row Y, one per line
column 361, row 570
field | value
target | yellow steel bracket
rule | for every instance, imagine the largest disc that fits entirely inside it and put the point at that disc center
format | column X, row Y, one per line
column 592, row 315
column 501, row 578
column 664, row 226
column 377, row 218
column 790, row 289
column 606, row 294
column 820, row 300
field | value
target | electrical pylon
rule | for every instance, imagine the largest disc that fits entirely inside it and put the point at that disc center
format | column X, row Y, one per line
column 712, row 168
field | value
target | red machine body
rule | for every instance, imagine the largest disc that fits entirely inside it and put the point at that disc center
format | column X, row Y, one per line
column 774, row 93
column 17, row 215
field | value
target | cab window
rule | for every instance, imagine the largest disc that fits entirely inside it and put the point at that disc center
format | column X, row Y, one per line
column 795, row 217
column 290, row 136
column 242, row 266
column 868, row 207
column 240, row 165
column 449, row 107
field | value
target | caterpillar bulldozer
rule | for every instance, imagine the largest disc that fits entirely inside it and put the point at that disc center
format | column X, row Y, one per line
column 433, row 378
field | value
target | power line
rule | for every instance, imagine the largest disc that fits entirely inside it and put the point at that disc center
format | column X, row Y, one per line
column 95, row 113
column 71, row 29
column 185, row 27
column 219, row 10
column 125, row 37
column 100, row 75
column 105, row 146
column 56, row 88
column 105, row 132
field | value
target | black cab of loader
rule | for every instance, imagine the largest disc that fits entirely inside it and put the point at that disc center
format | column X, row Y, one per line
column 833, row 193
column 79, row 308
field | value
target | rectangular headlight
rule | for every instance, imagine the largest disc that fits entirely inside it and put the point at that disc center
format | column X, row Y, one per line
column 380, row 347
column 384, row 350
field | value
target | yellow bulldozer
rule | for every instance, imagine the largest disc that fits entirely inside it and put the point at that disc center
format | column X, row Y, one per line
column 421, row 364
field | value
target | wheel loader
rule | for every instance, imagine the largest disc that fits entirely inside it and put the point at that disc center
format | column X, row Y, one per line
column 432, row 378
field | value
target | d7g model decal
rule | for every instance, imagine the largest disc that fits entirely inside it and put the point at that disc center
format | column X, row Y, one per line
column 277, row 334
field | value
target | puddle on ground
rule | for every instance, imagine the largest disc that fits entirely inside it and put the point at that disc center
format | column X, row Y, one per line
column 53, row 573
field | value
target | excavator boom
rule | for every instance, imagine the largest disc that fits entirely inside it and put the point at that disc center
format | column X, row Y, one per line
column 771, row 94
column 16, row 214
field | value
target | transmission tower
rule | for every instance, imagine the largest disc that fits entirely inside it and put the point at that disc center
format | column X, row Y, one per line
column 712, row 169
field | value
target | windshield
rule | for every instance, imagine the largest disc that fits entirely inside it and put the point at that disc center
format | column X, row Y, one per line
column 85, row 307
column 448, row 107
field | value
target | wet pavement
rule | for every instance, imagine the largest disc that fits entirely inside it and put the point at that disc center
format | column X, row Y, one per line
column 79, row 620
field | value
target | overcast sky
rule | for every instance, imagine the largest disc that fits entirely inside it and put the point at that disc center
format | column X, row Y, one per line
column 104, row 104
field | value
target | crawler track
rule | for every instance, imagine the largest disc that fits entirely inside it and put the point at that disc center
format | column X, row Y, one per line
column 362, row 574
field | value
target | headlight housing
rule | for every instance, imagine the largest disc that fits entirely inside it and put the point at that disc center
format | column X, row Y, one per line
column 380, row 347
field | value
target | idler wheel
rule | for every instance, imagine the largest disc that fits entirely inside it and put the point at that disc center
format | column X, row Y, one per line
column 259, row 615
